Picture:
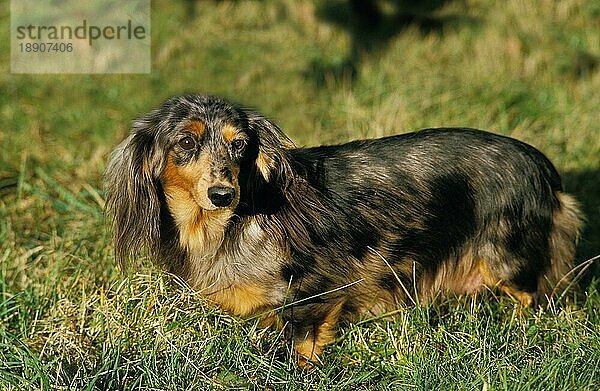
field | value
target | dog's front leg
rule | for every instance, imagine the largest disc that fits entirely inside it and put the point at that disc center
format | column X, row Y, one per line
column 311, row 327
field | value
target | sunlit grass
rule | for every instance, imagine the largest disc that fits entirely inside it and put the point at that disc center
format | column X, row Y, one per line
column 69, row 318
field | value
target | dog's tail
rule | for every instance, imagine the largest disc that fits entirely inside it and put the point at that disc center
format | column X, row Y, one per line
column 560, row 278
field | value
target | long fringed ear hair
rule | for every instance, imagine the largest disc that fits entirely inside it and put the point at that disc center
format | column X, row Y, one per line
column 305, row 210
column 133, row 196
column 271, row 162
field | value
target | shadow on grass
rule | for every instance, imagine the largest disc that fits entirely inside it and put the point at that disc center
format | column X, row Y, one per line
column 372, row 26
column 585, row 185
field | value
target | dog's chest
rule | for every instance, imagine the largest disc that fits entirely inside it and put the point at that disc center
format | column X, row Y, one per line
column 244, row 272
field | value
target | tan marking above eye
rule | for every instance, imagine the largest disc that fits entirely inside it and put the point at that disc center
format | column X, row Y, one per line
column 196, row 127
column 230, row 132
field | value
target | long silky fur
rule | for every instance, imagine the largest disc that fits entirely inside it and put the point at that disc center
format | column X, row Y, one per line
column 132, row 196
column 349, row 230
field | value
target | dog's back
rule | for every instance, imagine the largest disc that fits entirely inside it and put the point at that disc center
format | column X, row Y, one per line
column 448, row 209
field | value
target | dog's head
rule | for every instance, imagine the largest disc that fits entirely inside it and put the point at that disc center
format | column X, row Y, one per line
column 190, row 158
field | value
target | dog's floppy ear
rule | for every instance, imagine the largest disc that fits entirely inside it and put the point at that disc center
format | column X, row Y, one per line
column 133, row 203
column 271, row 161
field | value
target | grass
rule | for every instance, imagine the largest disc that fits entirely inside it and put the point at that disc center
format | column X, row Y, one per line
column 69, row 319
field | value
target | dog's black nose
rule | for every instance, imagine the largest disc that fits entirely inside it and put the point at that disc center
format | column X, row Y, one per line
column 221, row 196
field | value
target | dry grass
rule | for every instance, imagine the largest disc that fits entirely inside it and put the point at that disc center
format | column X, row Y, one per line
column 70, row 320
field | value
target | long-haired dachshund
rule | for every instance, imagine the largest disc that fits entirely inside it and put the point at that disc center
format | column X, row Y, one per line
column 305, row 236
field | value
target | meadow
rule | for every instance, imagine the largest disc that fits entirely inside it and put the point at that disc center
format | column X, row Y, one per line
column 71, row 319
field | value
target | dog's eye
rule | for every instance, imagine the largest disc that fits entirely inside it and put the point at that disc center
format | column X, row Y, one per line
column 187, row 143
column 238, row 145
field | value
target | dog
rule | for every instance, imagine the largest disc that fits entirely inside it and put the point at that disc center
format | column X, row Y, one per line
column 304, row 237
